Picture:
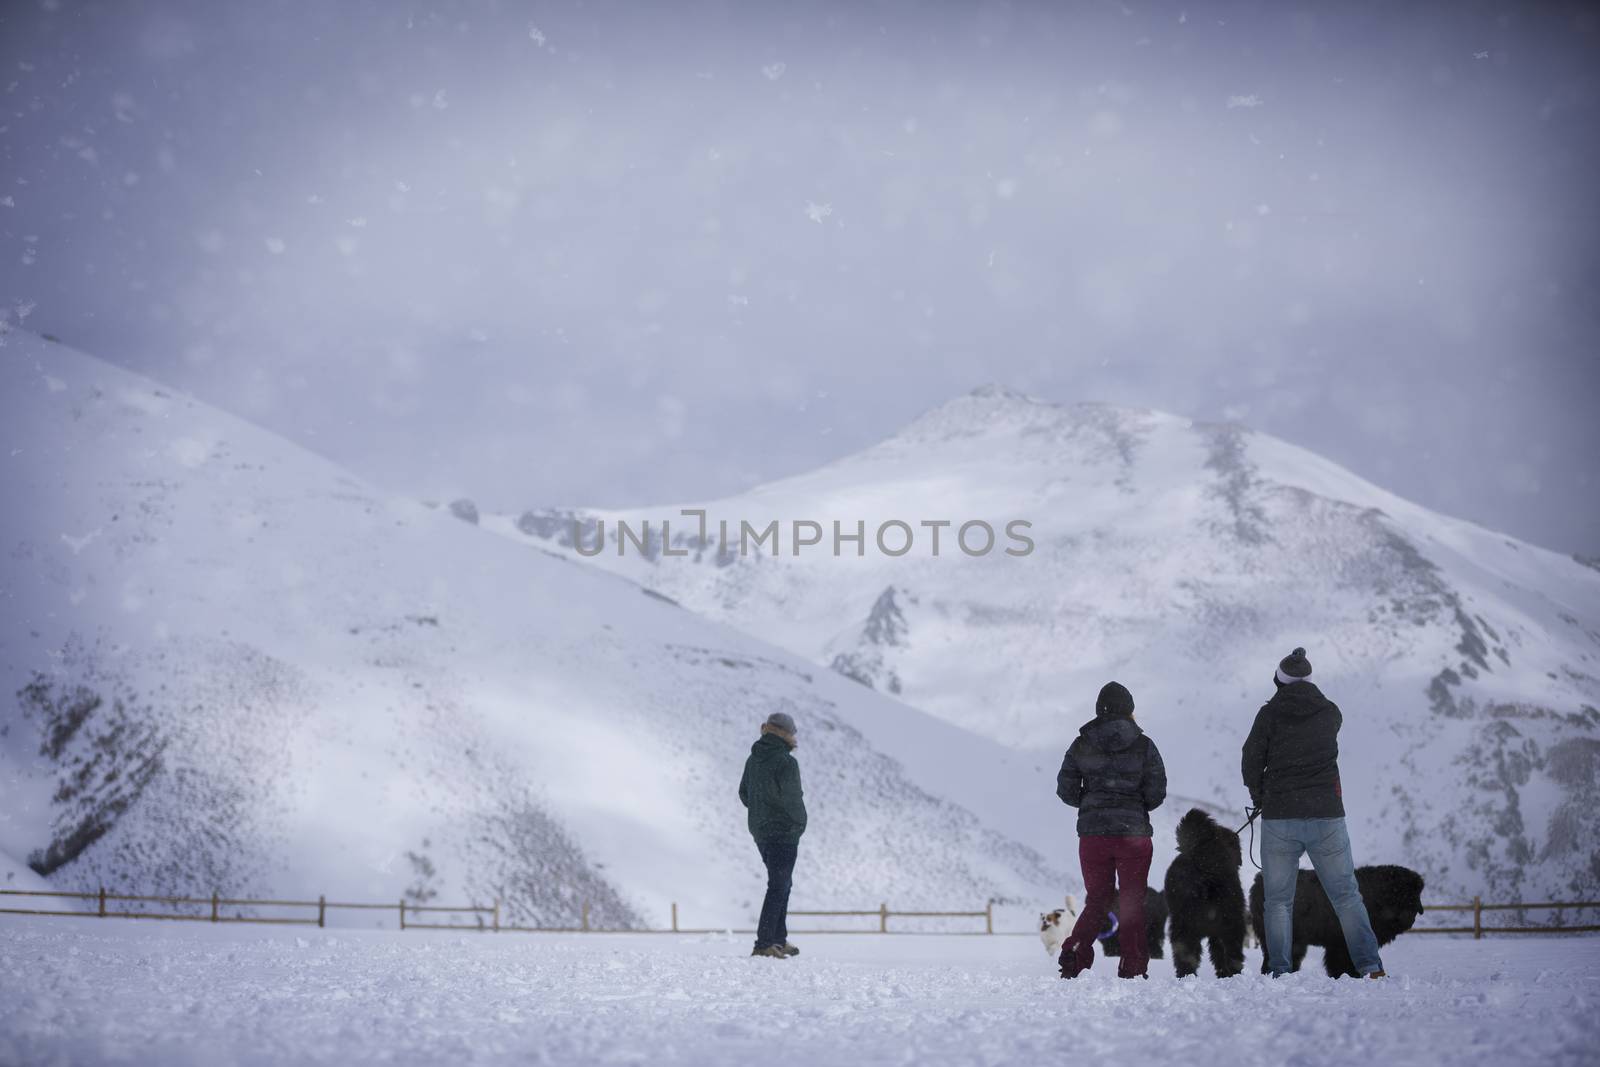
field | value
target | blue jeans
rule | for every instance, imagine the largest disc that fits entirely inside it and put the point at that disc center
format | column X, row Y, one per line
column 1328, row 844
column 773, row 926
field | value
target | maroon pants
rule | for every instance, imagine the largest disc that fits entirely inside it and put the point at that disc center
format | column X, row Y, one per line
column 1110, row 864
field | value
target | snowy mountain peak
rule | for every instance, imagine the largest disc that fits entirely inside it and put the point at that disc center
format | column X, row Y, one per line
column 975, row 424
column 1186, row 559
column 987, row 409
column 996, row 391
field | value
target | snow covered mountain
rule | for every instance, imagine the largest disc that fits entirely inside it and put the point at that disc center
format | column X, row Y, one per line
column 1183, row 559
column 228, row 664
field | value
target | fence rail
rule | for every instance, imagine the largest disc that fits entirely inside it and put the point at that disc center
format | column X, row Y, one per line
column 883, row 915
column 1478, row 907
column 214, row 904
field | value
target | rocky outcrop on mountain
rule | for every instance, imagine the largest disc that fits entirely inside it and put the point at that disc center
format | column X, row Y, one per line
column 864, row 661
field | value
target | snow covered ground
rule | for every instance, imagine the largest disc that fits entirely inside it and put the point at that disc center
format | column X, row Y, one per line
column 93, row 991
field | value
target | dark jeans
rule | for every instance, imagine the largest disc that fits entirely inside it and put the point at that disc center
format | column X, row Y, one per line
column 1110, row 864
column 779, row 856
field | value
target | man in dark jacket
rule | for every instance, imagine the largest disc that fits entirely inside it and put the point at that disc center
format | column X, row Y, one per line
column 770, row 789
column 1113, row 774
column 1291, row 768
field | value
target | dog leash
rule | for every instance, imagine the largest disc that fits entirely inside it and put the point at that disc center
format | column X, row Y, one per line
column 1250, row 821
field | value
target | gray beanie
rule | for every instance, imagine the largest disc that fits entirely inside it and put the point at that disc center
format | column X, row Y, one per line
column 1294, row 667
column 783, row 721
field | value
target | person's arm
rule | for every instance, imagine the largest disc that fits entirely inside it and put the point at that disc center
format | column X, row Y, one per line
column 1153, row 787
column 789, row 791
column 1253, row 764
column 1069, row 780
column 744, row 786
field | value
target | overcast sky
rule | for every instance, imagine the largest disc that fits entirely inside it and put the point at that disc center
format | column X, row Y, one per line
column 608, row 254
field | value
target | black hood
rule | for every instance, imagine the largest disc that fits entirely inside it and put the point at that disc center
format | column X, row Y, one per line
column 1298, row 699
column 1111, row 733
column 769, row 747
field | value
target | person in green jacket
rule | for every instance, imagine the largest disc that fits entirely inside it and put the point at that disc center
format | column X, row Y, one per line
column 770, row 789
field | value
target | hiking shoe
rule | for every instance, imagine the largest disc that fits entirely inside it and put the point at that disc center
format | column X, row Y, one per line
column 1377, row 974
column 789, row 950
column 770, row 951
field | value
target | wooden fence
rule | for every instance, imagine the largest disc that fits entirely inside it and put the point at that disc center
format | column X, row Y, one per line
column 105, row 908
column 105, row 902
column 1478, row 907
column 883, row 915
column 212, row 909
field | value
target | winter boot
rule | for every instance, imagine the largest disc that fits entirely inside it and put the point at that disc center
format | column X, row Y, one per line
column 1075, row 960
column 789, row 950
column 774, row 952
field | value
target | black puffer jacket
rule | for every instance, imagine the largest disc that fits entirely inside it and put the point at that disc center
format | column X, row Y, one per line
column 1291, row 758
column 1113, row 774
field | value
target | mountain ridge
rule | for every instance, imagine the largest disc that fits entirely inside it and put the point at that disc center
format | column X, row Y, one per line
column 231, row 665
column 1185, row 558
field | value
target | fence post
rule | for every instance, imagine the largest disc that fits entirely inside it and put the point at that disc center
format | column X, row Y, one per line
column 497, row 915
column 102, row 902
column 213, row 905
column 988, row 917
column 402, row 914
column 1477, row 918
column 674, row 916
column 883, row 918
column 322, row 911
column 586, row 916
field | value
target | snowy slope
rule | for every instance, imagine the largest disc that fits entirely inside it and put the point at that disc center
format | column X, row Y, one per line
column 227, row 663
column 1185, row 559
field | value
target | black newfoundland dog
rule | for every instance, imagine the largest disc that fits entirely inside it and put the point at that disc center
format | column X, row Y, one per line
column 1205, row 898
column 1155, row 926
column 1393, row 896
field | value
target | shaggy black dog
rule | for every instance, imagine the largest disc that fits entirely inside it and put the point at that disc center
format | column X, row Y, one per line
column 1205, row 897
column 1155, row 926
column 1393, row 896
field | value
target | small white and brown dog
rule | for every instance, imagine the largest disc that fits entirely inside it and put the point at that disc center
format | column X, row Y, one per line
column 1056, row 926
